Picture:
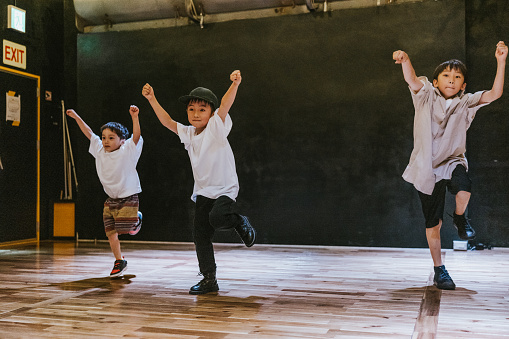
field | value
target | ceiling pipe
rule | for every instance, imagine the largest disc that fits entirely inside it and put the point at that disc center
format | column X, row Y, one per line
column 193, row 14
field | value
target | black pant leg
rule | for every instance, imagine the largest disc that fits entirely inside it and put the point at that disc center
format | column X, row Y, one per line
column 433, row 205
column 203, row 233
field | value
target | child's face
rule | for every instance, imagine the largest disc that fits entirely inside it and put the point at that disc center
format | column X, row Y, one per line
column 450, row 82
column 111, row 140
column 198, row 114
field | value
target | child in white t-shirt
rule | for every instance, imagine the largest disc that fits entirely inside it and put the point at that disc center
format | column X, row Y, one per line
column 215, row 178
column 116, row 157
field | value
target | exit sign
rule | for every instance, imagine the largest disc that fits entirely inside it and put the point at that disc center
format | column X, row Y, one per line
column 14, row 54
column 16, row 18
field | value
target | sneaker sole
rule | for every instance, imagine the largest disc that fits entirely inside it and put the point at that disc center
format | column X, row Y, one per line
column 135, row 231
column 138, row 226
column 246, row 220
column 465, row 238
column 254, row 238
column 116, row 275
column 199, row 292
column 449, row 288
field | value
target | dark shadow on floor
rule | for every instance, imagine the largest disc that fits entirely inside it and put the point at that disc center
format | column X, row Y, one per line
column 107, row 283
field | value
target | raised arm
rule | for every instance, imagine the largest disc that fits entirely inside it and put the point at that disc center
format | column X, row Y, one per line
column 498, row 84
column 83, row 126
column 134, row 111
column 408, row 70
column 229, row 96
column 162, row 115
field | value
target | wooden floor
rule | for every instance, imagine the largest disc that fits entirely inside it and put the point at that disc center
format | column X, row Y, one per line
column 62, row 290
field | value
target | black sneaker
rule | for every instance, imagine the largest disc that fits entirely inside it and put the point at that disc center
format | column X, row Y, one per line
column 206, row 285
column 118, row 268
column 246, row 232
column 442, row 279
column 465, row 231
column 138, row 225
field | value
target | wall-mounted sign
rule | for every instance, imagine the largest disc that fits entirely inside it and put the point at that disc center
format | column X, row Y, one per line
column 14, row 54
column 13, row 108
column 16, row 18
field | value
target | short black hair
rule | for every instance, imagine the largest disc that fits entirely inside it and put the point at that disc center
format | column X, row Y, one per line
column 199, row 101
column 119, row 129
column 455, row 64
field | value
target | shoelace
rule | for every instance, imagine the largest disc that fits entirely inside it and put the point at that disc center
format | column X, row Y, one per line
column 444, row 275
column 464, row 220
column 467, row 224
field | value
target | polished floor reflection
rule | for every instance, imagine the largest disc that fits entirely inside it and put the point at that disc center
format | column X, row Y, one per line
column 62, row 290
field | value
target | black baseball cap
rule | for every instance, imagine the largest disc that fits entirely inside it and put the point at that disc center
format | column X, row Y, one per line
column 202, row 94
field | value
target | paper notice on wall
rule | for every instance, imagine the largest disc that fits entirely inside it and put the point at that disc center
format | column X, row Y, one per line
column 13, row 108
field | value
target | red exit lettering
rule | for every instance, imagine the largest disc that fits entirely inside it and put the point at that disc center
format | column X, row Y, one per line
column 14, row 54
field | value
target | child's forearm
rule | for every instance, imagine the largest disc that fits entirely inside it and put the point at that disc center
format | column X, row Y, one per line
column 410, row 77
column 227, row 100
column 136, row 129
column 498, row 85
column 163, row 116
column 87, row 131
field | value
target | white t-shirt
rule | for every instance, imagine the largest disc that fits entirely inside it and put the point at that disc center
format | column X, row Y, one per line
column 117, row 169
column 211, row 158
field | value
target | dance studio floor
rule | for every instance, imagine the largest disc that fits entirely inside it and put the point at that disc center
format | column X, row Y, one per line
column 62, row 290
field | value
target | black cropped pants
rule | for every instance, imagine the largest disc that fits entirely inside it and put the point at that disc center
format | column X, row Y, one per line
column 211, row 215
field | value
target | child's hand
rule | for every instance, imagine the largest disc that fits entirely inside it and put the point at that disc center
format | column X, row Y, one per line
column 236, row 77
column 147, row 91
column 72, row 113
column 400, row 57
column 134, row 111
column 501, row 52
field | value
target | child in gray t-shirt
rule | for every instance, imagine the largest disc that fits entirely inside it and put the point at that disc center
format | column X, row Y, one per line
column 443, row 113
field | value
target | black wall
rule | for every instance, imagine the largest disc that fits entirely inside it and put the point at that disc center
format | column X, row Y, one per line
column 488, row 138
column 50, row 40
column 322, row 121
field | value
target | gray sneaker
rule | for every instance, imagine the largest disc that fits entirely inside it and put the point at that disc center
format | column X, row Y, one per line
column 442, row 279
column 118, row 268
column 465, row 231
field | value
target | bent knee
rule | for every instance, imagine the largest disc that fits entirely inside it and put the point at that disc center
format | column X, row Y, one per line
column 435, row 224
column 218, row 219
column 439, row 225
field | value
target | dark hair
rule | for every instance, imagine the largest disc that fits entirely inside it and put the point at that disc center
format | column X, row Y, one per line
column 451, row 64
column 119, row 129
column 199, row 101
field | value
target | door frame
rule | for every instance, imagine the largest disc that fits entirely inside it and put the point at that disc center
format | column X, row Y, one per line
column 38, row 202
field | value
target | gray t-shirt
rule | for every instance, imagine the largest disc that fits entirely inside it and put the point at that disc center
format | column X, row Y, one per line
column 440, row 134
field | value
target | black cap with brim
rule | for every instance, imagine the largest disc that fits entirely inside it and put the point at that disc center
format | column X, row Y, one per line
column 202, row 94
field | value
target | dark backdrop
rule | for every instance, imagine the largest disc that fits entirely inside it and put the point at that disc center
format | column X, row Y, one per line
column 50, row 40
column 322, row 122
column 488, row 138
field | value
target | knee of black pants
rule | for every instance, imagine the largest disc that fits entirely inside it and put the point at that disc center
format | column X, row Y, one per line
column 223, row 214
column 222, row 219
column 460, row 181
